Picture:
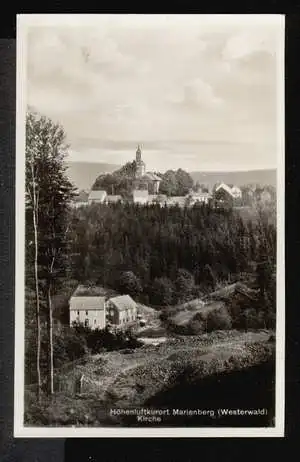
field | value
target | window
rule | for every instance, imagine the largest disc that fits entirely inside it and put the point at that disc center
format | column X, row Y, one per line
column 95, row 321
column 86, row 322
column 78, row 313
column 86, row 313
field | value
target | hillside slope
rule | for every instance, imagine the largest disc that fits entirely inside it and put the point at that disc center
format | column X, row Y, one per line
column 140, row 377
column 261, row 177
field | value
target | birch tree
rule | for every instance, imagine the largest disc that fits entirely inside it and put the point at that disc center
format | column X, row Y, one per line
column 32, row 205
column 49, row 195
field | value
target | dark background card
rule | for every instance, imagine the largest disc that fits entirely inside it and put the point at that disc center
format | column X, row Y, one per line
column 92, row 450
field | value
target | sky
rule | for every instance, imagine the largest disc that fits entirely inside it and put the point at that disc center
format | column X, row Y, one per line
column 195, row 92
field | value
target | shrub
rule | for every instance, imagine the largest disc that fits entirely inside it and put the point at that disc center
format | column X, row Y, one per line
column 218, row 320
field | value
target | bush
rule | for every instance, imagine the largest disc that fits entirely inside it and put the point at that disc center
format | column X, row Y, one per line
column 100, row 340
column 218, row 320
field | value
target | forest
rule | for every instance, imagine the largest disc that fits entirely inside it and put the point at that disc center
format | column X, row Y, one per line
column 165, row 256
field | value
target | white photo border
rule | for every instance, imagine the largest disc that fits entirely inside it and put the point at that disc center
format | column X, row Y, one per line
column 23, row 23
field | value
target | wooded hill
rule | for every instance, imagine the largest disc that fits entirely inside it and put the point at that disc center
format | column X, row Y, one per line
column 121, row 181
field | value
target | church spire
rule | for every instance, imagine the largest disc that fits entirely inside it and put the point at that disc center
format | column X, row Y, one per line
column 138, row 154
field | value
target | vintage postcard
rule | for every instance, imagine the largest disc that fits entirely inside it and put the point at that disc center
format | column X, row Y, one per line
column 150, row 226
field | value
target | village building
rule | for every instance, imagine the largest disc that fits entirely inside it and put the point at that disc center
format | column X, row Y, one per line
column 227, row 195
column 88, row 311
column 113, row 199
column 121, row 310
column 148, row 181
column 198, row 197
column 140, row 196
column 97, row 197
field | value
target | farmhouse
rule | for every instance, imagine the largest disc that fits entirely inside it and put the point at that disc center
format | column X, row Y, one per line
column 97, row 197
column 121, row 310
column 88, row 310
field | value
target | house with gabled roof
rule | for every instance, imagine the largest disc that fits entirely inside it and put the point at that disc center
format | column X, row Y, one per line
column 121, row 310
column 88, row 311
column 227, row 195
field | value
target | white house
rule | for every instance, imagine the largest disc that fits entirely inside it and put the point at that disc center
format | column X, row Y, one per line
column 97, row 197
column 88, row 310
column 233, row 191
column 140, row 196
column 121, row 310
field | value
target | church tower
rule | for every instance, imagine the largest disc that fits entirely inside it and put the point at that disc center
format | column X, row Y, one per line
column 140, row 165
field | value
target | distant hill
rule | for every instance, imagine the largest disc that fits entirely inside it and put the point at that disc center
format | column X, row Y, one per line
column 261, row 177
column 84, row 174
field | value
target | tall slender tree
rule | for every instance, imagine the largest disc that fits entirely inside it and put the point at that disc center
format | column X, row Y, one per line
column 49, row 195
column 32, row 208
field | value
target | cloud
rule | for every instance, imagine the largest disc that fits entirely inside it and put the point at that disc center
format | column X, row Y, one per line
column 250, row 41
column 155, row 83
column 201, row 93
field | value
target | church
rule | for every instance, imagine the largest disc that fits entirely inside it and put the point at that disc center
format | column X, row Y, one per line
column 148, row 181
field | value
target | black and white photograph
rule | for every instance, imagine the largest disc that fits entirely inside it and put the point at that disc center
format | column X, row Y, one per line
column 150, row 296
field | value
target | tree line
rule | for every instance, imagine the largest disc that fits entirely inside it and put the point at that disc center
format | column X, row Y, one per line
column 167, row 255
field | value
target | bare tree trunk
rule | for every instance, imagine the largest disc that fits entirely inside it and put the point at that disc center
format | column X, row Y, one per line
column 50, row 341
column 36, row 279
